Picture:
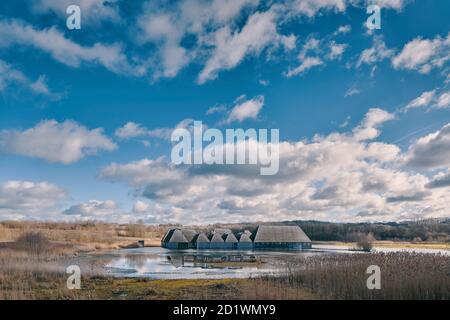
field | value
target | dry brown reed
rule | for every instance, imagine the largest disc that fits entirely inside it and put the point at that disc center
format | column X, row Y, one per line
column 404, row 275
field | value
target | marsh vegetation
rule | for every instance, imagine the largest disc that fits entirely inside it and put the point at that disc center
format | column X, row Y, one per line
column 33, row 257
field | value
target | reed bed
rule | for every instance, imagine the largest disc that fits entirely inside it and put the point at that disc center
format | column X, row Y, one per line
column 404, row 275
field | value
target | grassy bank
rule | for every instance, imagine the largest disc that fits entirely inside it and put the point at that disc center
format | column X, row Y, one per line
column 85, row 235
column 197, row 289
column 52, row 286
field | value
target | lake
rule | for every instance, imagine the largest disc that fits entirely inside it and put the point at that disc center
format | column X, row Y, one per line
column 161, row 263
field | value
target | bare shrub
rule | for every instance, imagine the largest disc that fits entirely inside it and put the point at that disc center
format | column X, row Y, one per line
column 33, row 242
column 364, row 242
column 136, row 230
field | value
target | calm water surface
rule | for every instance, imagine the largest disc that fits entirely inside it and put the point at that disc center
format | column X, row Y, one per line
column 160, row 263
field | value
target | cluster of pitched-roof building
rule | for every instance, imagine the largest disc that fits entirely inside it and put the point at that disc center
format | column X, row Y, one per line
column 264, row 237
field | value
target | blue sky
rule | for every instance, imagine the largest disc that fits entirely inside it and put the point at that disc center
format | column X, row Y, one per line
column 363, row 115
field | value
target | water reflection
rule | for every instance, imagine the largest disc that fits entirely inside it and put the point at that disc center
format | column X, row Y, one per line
column 160, row 263
column 212, row 260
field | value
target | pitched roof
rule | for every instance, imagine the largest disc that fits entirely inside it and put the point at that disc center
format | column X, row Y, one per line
column 175, row 235
column 229, row 238
column 280, row 234
column 200, row 237
column 167, row 235
column 216, row 237
column 189, row 234
column 245, row 238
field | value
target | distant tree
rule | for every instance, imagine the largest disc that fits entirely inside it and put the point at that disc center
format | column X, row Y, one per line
column 394, row 231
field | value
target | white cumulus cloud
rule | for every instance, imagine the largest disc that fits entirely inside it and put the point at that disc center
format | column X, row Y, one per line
column 93, row 208
column 29, row 200
column 342, row 176
column 423, row 55
column 65, row 142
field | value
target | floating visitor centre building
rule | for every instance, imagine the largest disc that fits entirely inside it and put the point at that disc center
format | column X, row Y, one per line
column 284, row 237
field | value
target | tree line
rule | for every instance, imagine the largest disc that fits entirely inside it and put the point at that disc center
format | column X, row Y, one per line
column 429, row 230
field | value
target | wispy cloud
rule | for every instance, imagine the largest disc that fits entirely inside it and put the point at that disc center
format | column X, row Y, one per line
column 93, row 11
column 352, row 91
column 64, row 50
column 230, row 48
column 435, row 99
column 247, row 109
column 377, row 53
column 306, row 64
column 10, row 76
column 135, row 130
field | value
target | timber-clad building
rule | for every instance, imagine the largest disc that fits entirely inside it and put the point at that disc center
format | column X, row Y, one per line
column 265, row 237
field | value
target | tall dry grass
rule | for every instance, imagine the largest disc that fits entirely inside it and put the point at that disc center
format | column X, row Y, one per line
column 29, row 262
column 403, row 276
column 93, row 234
